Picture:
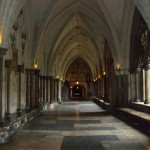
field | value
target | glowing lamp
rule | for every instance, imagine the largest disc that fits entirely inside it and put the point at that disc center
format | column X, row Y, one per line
column 104, row 73
column 77, row 83
column 36, row 65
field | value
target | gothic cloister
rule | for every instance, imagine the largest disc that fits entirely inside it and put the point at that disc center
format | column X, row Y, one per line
column 64, row 61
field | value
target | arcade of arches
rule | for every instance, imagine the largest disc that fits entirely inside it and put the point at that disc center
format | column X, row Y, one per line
column 53, row 51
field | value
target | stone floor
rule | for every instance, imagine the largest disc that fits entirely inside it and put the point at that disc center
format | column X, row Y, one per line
column 77, row 126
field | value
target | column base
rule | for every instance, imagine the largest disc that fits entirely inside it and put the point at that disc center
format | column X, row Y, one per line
column 32, row 107
column 51, row 106
column 142, row 100
column 19, row 111
column 27, row 109
column 147, row 102
column 2, row 122
column 137, row 100
column 8, row 115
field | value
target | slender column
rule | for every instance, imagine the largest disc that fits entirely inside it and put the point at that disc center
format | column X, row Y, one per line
column 2, row 53
column 118, row 83
column 32, row 89
column 129, row 88
column 125, row 88
column 59, row 91
column 57, row 87
column 143, row 82
column 97, row 88
column 44, row 98
column 137, row 84
column 121, row 90
column 41, row 90
column 147, row 84
column 108, row 86
column 105, row 89
column 51, row 89
column 46, row 80
column 27, row 89
column 8, row 69
column 102, row 87
column 37, row 95
column 20, row 70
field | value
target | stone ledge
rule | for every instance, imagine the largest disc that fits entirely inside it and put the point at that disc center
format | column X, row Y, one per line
column 140, row 119
column 11, row 126
column 102, row 103
column 140, row 106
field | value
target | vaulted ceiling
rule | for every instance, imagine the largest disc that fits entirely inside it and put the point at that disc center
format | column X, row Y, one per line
column 64, row 30
column 67, row 29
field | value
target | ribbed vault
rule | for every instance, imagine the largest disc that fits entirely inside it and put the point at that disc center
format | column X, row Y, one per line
column 72, row 30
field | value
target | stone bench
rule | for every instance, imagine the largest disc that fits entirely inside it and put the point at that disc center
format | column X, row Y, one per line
column 138, row 118
column 102, row 103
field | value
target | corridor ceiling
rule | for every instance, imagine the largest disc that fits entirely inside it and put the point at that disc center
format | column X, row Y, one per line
column 65, row 30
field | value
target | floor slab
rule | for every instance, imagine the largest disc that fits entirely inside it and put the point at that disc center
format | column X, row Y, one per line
column 77, row 126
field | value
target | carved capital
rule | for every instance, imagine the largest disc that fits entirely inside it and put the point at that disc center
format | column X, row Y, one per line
column 8, row 63
column 2, row 51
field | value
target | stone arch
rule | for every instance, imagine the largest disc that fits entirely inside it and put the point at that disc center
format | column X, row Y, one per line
column 144, row 8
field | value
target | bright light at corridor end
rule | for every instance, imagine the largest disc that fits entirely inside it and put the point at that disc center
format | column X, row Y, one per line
column 77, row 83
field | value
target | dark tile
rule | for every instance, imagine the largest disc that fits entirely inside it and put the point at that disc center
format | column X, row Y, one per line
column 61, row 126
column 85, row 142
column 129, row 146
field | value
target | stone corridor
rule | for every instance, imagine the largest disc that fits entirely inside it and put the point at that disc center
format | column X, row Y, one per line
column 77, row 126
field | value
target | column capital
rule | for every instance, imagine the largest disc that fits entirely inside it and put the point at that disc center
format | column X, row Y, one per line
column 8, row 63
column 37, row 71
column 138, row 69
column 147, row 67
column 21, row 68
column 51, row 77
column 3, row 51
column 47, row 77
column 30, row 71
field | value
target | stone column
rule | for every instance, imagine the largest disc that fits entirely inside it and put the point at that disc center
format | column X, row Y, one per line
column 102, row 87
column 2, row 53
column 32, row 89
column 37, row 88
column 57, row 88
column 47, row 85
column 41, row 90
column 105, row 89
column 147, row 84
column 143, row 82
column 44, row 98
column 129, row 89
column 27, row 89
column 118, row 88
column 97, row 89
column 108, row 89
column 137, row 84
column 59, row 91
column 51, row 90
column 8, row 64
column 20, row 70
